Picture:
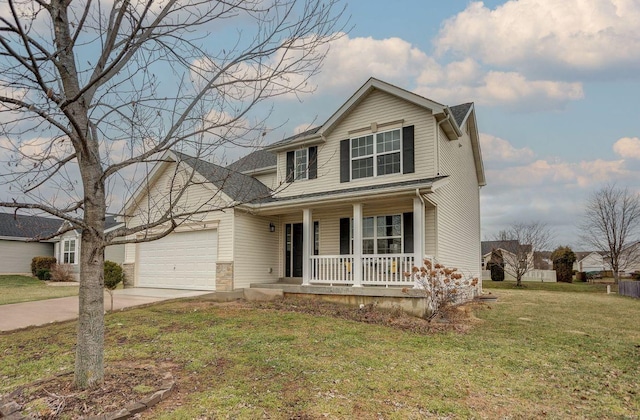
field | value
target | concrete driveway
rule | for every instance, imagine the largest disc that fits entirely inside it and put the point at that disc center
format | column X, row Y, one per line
column 20, row 315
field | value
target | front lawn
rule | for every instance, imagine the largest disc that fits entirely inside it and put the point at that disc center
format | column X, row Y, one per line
column 532, row 354
column 15, row 289
column 579, row 287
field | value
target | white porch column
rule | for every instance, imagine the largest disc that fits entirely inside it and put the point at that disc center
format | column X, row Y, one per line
column 307, row 245
column 418, row 231
column 357, row 245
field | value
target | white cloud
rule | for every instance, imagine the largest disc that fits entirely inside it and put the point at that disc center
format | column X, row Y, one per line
column 543, row 36
column 495, row 149
column 505, row 89
column 548, row 189
column 628, row 147
column 351, row 61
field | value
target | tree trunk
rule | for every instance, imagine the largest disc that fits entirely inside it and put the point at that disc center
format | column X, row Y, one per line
column 519, row 280
column 89, row 367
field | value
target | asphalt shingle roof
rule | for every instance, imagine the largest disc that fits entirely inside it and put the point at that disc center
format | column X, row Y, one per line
column 28, row 227
column 511, row 245
column 239, row 187
column 296, row 137
column 253, row 161
column 460, row 111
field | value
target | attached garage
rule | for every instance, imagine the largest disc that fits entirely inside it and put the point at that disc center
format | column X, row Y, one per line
column 180, row 260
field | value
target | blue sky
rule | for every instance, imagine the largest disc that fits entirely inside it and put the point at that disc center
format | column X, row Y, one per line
column 555, row 86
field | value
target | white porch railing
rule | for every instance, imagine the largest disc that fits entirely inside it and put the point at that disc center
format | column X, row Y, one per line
column 379, row 270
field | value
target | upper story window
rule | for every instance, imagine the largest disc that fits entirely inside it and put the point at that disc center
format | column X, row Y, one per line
column 383, row 153
column 375, row 155
column 69, row 251
column 302, row 164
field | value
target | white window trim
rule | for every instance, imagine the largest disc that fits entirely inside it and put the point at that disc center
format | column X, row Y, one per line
column 74, row 251
column 375, row 233
column 375, row 154
column 304, row 174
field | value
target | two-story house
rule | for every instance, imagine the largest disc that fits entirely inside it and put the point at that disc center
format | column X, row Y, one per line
column 389, row 179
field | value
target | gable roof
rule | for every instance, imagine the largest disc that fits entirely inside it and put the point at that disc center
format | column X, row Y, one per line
column 237, row 186
column 440, row 111
column 255, row 161
column 510, row 245
column 27, row 227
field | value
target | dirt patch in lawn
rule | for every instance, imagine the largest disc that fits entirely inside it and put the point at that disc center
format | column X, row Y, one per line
column 124, row 383
column 132, row 381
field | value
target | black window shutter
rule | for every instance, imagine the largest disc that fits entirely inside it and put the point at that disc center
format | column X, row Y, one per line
column 408, row 155
column 345, row 233
column 290, row 166
column 408, row 232
column 345, row 157
column 316, row 233
column 313, row 162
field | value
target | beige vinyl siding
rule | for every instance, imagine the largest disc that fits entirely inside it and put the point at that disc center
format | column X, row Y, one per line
column 380, row 108
column 269, row 179
column 458, row 213
column 200, row 197
column 114, row 253
column 17, row 255
column 256, row 250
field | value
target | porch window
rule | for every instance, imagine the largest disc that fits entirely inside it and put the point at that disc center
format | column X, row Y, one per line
column 374, row 158
column 382, row 234
column 69, row 251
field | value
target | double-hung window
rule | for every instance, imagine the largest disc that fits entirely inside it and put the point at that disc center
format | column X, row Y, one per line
column 376, row 154
column 301, row 164
column 69, row 251
column 382, row 235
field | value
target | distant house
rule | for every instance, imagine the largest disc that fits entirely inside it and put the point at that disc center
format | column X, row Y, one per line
column 590, row 261
column 19, row 236
column 67, row 246
column 509, row 249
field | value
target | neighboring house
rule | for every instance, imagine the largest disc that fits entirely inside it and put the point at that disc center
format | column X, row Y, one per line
column 67, row 246
column 17, row 245
column 590, row 261
column 509, row 250
column 389, row 179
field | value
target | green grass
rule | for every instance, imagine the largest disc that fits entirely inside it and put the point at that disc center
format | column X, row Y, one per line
column 579, row 287
column 534, row 354
column 15, row 289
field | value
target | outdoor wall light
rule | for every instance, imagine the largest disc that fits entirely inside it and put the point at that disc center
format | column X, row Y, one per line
column 272, row 227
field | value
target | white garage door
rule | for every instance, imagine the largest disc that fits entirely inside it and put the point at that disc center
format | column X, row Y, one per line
column 182, row 260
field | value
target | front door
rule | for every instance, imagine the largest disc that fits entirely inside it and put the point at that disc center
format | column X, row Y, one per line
column 293, row 251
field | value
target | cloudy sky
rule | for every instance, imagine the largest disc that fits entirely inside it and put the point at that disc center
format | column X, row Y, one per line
column 555, row 86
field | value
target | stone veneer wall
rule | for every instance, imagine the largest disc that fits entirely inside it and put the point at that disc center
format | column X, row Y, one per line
column 129, row 270
column 224, row 276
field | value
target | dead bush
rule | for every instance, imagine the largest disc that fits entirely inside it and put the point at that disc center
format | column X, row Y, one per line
column 62, row 272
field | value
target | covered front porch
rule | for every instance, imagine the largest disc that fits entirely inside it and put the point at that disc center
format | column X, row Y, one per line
column 371, row 240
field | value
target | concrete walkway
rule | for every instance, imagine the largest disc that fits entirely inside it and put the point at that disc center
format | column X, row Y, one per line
column 20, row 315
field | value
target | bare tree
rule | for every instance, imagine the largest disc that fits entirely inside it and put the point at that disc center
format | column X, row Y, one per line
column 611, row 224
column 519, row 242
column 94, row 92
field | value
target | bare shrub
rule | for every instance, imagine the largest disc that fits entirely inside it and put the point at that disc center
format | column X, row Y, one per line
column 441, row 287
column 62, row 272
